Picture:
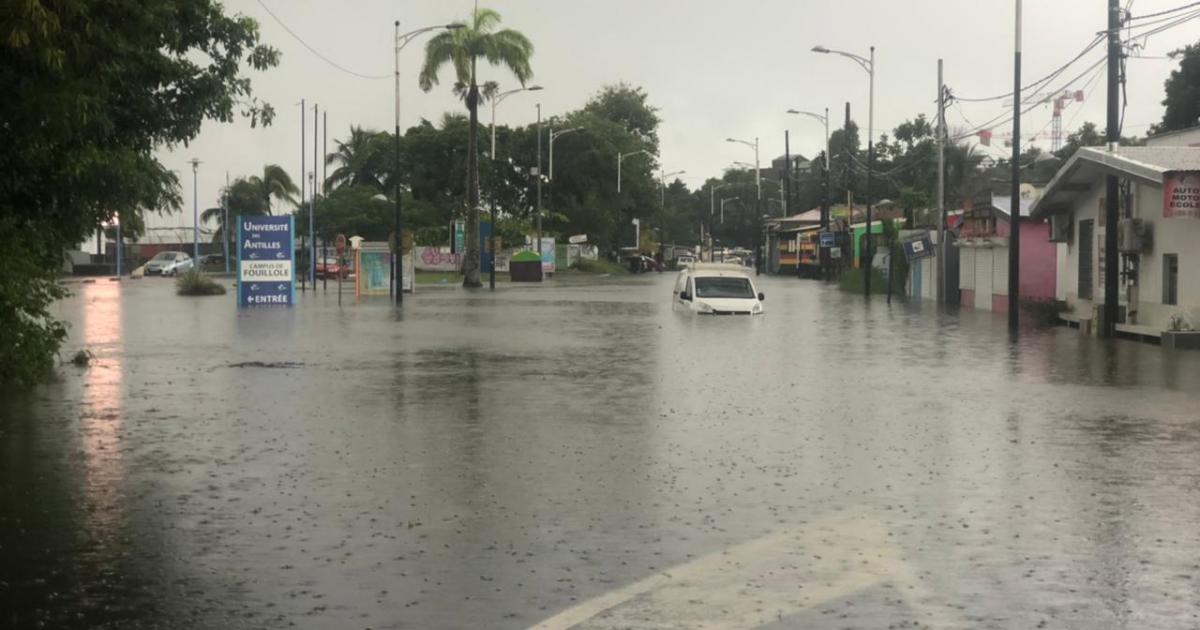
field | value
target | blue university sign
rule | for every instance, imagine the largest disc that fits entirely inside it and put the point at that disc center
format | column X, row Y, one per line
column 265, row 267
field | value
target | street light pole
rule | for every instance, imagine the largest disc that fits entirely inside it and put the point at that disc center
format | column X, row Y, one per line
column 712, row 211
column 621, row 158
column 1014, row 237
column 662, row 207
column 758, row 198
column 400, row 41
column 867, row 64
column 195, row 215
column 496, row 101
column 824, row 251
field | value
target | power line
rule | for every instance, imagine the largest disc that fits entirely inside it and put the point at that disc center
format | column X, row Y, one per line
column 314, row 50
column 1175, row 10
column 1032, row 87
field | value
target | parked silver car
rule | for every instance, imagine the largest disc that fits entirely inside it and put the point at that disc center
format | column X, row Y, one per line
column 169, row 264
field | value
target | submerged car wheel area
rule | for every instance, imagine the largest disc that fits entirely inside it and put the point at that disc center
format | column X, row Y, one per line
column 717, row 289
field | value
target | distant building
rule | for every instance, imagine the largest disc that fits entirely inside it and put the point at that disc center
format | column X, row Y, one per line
column 983, row 231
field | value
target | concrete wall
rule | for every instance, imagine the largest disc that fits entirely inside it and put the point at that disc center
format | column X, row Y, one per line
column 983, row 277
column 1179, row 236
column 1039, row 261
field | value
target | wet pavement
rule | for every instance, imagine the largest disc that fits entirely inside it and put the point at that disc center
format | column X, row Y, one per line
column 578, row 455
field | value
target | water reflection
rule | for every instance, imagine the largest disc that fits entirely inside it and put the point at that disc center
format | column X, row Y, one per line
column 102, row 413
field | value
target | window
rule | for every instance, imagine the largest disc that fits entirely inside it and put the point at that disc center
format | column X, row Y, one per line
column 723, row 287
column 1170, row 279
column 1085, row 259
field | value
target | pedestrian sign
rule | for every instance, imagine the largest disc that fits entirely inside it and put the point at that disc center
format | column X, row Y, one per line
column 827, row 239
column 266, row 253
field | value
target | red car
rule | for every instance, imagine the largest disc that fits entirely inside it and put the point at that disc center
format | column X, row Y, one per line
column 330, row 268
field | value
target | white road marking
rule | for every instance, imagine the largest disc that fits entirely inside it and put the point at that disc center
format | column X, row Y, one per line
column 761, row 581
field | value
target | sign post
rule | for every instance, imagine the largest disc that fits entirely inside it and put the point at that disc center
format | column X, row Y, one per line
column 266, row 261
column 340, row 245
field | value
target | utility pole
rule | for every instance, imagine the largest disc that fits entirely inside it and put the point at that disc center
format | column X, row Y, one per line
column 870, row 168
column 1111, row 184
column 824, row 251
column 396, row 286
column 787, row 173
column 538, row 246
column 225, row 231
column 303, row 182
column 312, row 208
column 941, row 188
column 849, row 185
column 1014, row 239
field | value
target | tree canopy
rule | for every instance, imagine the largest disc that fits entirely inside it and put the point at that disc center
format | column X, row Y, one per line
column 94, row 87
column 1182, row 100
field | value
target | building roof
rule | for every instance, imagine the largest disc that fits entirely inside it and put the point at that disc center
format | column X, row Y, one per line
column 1089, row 164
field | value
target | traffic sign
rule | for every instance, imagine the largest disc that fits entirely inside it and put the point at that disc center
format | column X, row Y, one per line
column 266, row 251
column 340, row 244
column 827, row 239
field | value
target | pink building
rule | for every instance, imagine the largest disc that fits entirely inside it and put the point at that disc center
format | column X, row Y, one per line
column 983, row 235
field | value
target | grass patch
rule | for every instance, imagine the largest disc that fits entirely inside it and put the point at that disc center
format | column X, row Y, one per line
column 195, row 283
column 587, row 265
column 852, row 280
column 444, row 277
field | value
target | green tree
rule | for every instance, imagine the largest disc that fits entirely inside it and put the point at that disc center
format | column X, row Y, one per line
column 251, row 196
column 93, row 89
column 462, row 48
column 1182, row 100
column 362, row 159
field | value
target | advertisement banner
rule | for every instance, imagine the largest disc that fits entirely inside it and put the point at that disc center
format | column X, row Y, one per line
column 1181, row 194
column 266, row 271
column 548, row 255
column 374, row 269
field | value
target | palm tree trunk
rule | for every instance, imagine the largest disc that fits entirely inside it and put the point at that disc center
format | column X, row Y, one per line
column 471, row 260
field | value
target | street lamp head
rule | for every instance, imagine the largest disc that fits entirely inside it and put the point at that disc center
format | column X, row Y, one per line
column 452, row 26
column 533, row 88
column 793, row 111
column 730, row 140
column 821, row 49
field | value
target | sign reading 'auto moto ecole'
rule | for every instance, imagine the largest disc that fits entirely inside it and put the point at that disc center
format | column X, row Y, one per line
column 1181, row 194
column 265, row 265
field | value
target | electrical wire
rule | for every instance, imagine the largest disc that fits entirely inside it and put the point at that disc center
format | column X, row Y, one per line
column 1175, row 10
column 315, row 52
column 1032, row 87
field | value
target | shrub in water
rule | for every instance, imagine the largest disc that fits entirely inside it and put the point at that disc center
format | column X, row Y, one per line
column 195, row 283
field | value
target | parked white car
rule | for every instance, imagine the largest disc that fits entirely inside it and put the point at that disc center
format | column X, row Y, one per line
column 717, row 289
column 169, row 264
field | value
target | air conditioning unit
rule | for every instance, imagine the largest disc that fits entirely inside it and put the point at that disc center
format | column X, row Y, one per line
column 1133, row 236
column 1061, row 228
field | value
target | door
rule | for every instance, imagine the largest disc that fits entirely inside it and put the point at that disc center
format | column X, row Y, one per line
column 1086, row 229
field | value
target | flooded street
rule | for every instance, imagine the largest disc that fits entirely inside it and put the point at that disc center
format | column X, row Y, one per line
column 578, row 455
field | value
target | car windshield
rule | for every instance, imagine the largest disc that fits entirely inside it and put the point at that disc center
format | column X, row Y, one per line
column 165, row 256
column 724, row 287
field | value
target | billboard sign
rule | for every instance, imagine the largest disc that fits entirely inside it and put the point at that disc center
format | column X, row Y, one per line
column 548, row 255
column 918, row 248
column 1181, row 194
column 827, row 239
column 266, row 261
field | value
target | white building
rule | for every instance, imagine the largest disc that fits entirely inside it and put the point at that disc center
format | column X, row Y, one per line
column 1159, row 246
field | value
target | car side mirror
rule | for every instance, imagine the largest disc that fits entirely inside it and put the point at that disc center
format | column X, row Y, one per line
column 683, row 295
column 762, row 296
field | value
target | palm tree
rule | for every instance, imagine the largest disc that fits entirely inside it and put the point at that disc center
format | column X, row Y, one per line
column 360, row 159
column 251, row 196
column 461, row 48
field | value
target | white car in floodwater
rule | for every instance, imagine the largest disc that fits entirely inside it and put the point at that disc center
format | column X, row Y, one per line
column 717, row 289
column 168, row 264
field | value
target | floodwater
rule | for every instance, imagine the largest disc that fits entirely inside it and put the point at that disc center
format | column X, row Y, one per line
column 578, row 455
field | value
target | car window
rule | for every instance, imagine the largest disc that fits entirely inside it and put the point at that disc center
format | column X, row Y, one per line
column 724, row 287
column 681, row 283
column 164, row 256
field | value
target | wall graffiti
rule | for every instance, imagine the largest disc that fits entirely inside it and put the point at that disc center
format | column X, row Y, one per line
column 438, row 259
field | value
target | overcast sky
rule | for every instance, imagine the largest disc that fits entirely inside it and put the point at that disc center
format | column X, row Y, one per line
column 714, row 68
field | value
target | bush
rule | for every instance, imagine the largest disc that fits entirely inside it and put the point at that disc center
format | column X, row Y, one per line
column 852, row 280
column 587, row 265
column 195, row 283
column 1045, row 311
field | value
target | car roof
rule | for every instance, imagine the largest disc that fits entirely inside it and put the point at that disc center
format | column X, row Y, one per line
column 717, row 269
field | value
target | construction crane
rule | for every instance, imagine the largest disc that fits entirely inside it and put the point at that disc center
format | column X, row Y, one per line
column 1060, row 100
